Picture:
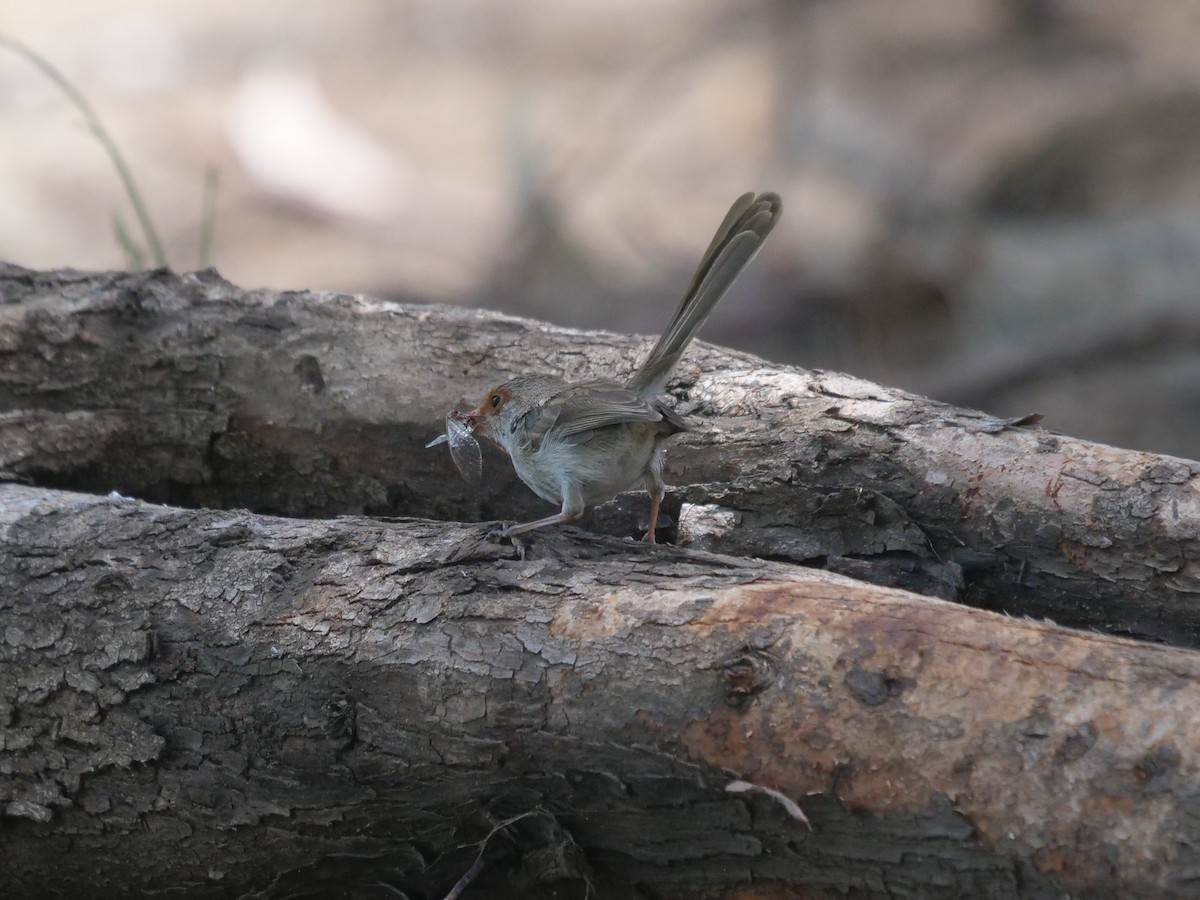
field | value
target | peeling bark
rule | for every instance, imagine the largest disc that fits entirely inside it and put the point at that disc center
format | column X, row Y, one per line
column 208, row 703
column 190, row 391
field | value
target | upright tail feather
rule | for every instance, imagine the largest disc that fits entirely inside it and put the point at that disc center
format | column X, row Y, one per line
column 736, row 242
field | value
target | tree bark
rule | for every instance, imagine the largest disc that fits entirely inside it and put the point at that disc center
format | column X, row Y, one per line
column 213, row 703
column 219, row 703
column 185, row 389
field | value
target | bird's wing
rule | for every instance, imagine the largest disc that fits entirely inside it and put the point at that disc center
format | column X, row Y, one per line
column 584, row 407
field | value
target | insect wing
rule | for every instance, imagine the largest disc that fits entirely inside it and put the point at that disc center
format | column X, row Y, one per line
column 464, row 450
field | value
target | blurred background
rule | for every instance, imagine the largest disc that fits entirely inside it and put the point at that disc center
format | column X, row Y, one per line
column 992, row 202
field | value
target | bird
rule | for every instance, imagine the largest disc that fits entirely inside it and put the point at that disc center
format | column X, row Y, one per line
column 582, row 443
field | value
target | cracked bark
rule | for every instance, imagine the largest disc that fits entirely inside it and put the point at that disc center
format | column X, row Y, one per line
column 275, row 705
column 338, row 703
column 190, row 391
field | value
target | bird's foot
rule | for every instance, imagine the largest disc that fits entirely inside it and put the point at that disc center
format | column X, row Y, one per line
column 501, row 533
column 497, row 533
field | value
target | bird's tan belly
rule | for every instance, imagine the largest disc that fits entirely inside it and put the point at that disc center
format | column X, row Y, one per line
column 611, row 460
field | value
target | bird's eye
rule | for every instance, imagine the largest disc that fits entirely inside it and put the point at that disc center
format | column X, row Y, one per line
column 496, row 401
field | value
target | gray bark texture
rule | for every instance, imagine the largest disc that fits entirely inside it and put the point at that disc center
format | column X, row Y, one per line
column 216, row 702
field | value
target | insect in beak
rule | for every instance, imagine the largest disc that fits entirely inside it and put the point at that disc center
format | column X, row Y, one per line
column 464, row 448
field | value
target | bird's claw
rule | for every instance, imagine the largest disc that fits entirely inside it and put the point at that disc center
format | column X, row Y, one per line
column 501, row 534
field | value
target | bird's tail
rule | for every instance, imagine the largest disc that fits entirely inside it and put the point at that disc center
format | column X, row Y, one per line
column 736, row 242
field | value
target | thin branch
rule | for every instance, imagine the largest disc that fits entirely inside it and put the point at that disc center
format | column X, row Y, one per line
column 477, row 866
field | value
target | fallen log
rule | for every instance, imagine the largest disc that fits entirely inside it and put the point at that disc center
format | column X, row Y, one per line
column 217, row 704
column 188, row 390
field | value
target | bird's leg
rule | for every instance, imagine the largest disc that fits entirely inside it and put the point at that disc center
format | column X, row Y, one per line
column 656, row 489
column 557, row 519
column 572, row 508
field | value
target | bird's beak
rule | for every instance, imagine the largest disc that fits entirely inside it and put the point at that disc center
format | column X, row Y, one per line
column 478, row 422
column 475, row 418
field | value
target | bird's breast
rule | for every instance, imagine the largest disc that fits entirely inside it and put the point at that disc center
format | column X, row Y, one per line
column 601, row 463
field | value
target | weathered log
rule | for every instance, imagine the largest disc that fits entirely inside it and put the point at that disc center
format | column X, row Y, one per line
column 209, row 703
column 190, row 391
